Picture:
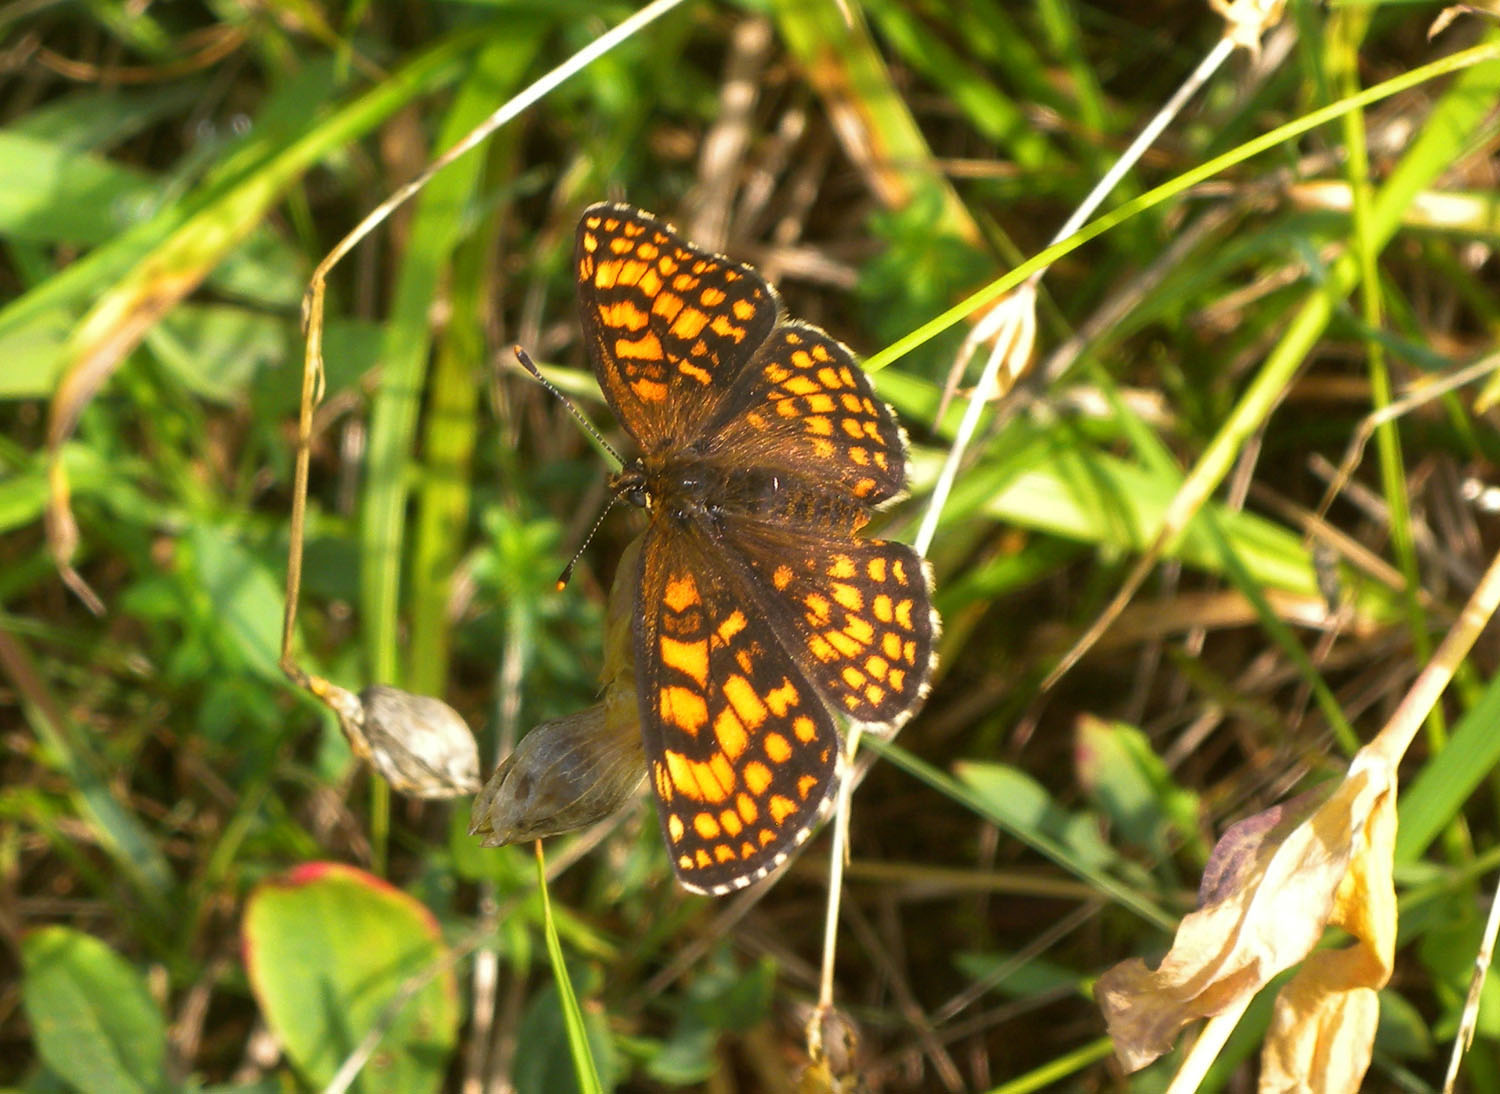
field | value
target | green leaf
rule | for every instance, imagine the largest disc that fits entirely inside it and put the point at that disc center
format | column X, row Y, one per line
column 94, row 1022
column 328, row 948
column 1129, row 783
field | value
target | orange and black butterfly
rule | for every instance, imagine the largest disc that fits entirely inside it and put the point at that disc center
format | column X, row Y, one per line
column 760, row 615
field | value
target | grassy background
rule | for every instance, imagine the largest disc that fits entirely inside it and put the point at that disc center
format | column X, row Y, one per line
column 169, row 174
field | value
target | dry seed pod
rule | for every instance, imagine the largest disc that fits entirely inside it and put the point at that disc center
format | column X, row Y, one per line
column 416, row 743
column 564, row 775
column 572, row 771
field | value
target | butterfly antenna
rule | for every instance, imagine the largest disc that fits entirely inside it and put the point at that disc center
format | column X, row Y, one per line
column 567, row 574
column 588, row 426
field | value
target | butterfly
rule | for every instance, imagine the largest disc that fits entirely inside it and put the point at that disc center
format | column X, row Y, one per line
column 760, row 615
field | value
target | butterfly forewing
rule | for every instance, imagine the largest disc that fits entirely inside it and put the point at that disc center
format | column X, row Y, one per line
column 669, row 326
column 742, row 753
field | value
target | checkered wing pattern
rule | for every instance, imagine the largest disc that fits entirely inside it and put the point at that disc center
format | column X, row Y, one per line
column 669, row 326
column 856, row 612
column 742, row 754
column 804, row 404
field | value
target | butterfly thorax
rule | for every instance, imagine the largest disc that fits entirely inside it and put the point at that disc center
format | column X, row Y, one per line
column 687, row 488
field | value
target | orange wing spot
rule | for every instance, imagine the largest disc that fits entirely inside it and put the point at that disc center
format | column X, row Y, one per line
column 611, row 225
column 842, row 567
column 689, row 323
column 806, row 785
column 882, row 462
column 846, row 646
column 684, row 709
column 817, row 607
column 820, row 352
column 650, row 282
column 897, row 680
column 909, row 652
column 702, row 859
column 590, row 240
column 782, row 577
column 877, row 666
column 864, row 487
column 645, row 348
column 787, row 408
column 731, row 822
column 748, row 705
column 848, row 597
column 828, row 378
column 890, row 644
column 874, row 693
column 706, row 827
column 747, row 850
column 729, row 731
column 766, row 837
column 846, row 375
column 631, row 272
column 756, row 419
column 852, row 702
column 860, row 456
column 681, row 593
column 701, row 266
column 711, row 297
column 688, row 658
column 899, row 569
column 620, row 245
column 851, row 428
column 743, row 659
column 648, row 251
column 667, row 265
column 743, row 310
column 732, row 625
column 675, row 828
column 774, row 372
column 693, row 372
column 606, row 273
column 663, row 780
column 585, row 269
column 851, row 403
column 818, row 425
column 757, row 778
column 820, row 648
column 793, row 339
column 724, row 853
column 875, row 568
column 634, row 230
column 860, row 630
column 680, row 770
column 800, row 357
column 869, row 407
column 667, row 305
column 700, row 349
column 723, row 777
column 685, row 863
column 821, row 403
column 623, row 313
column 649, row 391
column 805, row 729
column 745, row 804
column 903, row 614
column 853, row 677
column 885, row 611
column 778, row 748
column 684, row 283
column 799, row 385
column 782, row 699
column 872, row 430
column 782, row 808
